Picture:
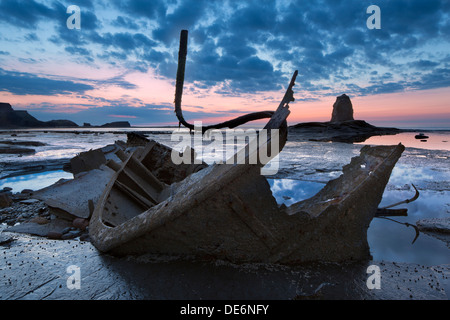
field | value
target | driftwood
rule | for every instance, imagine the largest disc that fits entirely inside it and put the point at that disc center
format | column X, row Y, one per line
column 182, row 53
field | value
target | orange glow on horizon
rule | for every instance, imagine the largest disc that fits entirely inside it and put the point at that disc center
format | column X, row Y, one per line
column 394, row 107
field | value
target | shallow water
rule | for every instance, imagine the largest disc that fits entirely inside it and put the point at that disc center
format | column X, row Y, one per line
column 304, row 168
column 388, row 240
column 438, row 140
column 58, row 144
column 288, row 191
column 34, row 181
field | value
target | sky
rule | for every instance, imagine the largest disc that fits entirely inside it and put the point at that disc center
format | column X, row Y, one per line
column 121, row 64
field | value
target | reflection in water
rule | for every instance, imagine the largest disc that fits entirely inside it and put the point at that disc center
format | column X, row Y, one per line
column 34, row 181
column 287, row 191
column 388, row 240
column 436, row 140
column 391, row 241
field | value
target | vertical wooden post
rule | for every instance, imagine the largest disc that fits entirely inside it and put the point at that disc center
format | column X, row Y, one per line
column 182, row 53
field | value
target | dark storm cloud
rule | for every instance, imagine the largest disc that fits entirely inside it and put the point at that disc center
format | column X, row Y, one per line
column 185, row 16
column 89, row 24
column 142, row 8
column 250, row 46
column 89, row 4
column 406, row 17
column 24, row 13
column 379, row 88
column 27, row 13
column 437, row 78
column 291, row 34
column 126, row 23
column 125, row 41
column 78, row 50
column 424, row 64
column 22, row 83
column 128, row 46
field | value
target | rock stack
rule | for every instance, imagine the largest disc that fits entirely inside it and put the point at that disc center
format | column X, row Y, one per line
column 342, row 109
column 342, row 127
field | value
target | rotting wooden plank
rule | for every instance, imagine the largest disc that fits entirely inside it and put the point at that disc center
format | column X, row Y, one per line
column 147, row 149
column 146, row 203
column 122, row 155
column 143, row 185
column 251, row 221
column 149, row 176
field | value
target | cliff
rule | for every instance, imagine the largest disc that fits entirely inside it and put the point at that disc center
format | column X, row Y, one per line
column 117, row 124
column 11, row 119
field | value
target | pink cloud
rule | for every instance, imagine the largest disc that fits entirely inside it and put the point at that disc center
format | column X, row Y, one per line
column 121, row 116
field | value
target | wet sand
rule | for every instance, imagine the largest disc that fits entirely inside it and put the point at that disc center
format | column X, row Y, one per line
column 37, row 269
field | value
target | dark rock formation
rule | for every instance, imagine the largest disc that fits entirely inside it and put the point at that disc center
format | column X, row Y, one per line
column 16, row 150
column 17, row 147
column 345, row 131
column 60, row 124
column 117, row 124
column 5, row 107
column 342, row 127
column 5, row 200
column 23, row 143
column 342, row 109
column 10, row 119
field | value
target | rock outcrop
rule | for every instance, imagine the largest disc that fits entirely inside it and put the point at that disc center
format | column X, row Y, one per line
column 344, row 131
column 16, row 119
column 342, row 109
column 11, row 119
column 342, row 127
column 117, row 124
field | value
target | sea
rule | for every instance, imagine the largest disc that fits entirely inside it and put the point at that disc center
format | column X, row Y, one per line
column 304, row 167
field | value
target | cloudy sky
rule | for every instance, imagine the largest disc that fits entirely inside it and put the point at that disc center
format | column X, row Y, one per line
column 121, row 64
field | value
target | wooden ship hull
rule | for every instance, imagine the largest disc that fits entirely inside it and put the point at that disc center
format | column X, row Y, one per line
column 228, row 212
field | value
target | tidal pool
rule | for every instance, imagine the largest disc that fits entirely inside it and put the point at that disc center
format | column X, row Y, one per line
column 34, row 181
column 388, row 240
column 437, row 140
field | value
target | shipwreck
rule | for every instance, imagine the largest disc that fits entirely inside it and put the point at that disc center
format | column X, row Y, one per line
column 227, row 211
